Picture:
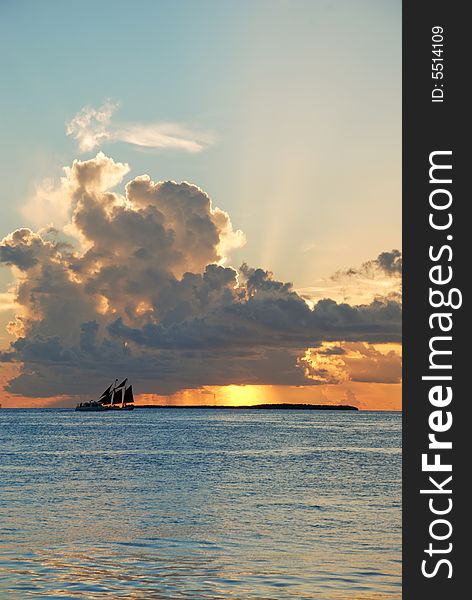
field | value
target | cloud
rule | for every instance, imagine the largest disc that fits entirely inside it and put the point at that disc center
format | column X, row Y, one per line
column 7, row 301
column 386, row 264
column 46, row 206
column 93, row 128
column 90, row 126
column 340, row 362
column 24, row 249
column 146, row 291
column 379, row 278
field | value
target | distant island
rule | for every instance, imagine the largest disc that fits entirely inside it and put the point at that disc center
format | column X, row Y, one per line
column 283, row 406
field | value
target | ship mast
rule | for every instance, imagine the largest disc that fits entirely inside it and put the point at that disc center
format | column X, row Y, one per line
column 119, row 388
column 113, row 392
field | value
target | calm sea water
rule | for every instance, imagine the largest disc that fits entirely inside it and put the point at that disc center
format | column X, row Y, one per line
column 195, row 504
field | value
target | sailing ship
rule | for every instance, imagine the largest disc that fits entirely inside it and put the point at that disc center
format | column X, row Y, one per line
column 115, row 397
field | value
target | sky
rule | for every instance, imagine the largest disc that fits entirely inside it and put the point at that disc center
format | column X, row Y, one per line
column 284, row 115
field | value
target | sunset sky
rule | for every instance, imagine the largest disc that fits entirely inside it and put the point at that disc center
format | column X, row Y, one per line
column 204, row 197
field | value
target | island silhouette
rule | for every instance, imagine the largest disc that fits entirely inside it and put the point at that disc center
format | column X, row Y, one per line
column 279, row 406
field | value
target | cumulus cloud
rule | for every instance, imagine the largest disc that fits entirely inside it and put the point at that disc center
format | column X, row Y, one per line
column 146, row 291
column 93, row 128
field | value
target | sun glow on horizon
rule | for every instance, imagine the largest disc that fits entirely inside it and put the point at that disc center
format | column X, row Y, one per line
column 364, row 395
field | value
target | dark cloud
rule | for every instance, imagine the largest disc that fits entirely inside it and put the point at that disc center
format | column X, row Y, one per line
column 282, row 322
column 24, row 249
column 147, row 295
column 391, row 263
column 386, row 264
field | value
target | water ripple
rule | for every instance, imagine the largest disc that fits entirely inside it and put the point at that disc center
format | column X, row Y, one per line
column 193, row 505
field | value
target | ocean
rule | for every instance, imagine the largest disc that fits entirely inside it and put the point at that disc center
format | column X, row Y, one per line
column 200, row 504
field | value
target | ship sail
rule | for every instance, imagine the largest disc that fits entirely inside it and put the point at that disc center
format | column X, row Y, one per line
column 117, row 396
column 105, row 399
column 129, row 395
column 107, row 391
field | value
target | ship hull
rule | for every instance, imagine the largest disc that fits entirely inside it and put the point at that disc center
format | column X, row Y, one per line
column 102, row 408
